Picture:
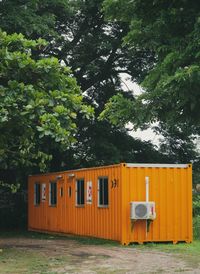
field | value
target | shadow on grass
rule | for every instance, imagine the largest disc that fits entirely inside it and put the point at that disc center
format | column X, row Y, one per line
column 39, row 235
column 182, row 248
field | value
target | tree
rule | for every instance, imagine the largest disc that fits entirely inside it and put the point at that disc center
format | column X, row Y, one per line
column 170, row 29
column 80, row 37
column 33, row 18
column 39, row 103
column 178, row 145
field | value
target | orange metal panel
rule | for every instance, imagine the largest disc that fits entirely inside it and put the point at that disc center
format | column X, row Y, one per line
column 170, row 189
column 66, row 217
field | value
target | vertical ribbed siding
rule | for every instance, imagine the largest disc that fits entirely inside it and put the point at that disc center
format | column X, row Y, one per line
column 171, row 190
column 89, row 220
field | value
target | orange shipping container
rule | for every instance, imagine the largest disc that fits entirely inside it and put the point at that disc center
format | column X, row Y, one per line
column 123, row 202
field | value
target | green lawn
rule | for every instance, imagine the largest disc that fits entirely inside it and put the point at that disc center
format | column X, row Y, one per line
column 17, row 261
column 180, row 248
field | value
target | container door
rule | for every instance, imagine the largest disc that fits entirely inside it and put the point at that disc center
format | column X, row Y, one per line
column 61, row 205
column 70, row 205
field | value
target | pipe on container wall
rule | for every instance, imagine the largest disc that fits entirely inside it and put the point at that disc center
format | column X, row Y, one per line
column 147, row 188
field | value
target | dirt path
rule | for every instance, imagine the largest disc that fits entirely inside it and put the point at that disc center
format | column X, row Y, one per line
column 69, row 256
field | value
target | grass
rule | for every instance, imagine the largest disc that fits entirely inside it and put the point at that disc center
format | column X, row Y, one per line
column 180, row 248
column 80, row 239
column 29, row 260
column 190, row 253
column 17, row 261
column 193, row 248
column 14, row 260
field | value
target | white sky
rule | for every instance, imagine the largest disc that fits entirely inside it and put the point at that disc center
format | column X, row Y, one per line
column 145, row 135
column 148, row 134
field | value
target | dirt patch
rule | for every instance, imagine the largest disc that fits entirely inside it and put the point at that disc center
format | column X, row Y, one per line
column 70, row 256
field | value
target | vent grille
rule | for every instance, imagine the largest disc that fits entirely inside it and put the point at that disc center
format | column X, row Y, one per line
column 141, row 210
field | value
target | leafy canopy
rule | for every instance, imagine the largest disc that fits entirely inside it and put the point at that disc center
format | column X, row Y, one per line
column 39, row 103
column 81, row 38
column 171, row 29
column 33, row 18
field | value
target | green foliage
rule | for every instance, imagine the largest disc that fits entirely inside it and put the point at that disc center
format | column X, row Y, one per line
column 116, row 109
column 33, row 18
column 112, row 145
column 170, row 98
column 81, row 38
column 39, row 102
column 171, row 31
column 120, row 110
column 196, row 226
column 196, row 205
column 178, row 144
column 196, row 215
column 12, row 187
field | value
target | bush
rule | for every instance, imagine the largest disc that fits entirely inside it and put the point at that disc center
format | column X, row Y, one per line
column 13, row 209
column 196, row 227
column 196, row 216
column 196, row 205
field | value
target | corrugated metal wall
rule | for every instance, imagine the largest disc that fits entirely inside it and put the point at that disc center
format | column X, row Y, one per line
column 171, row 190
column 90, row 219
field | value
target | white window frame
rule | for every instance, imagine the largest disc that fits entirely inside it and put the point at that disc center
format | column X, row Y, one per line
column 76, row 192
column 98, row 192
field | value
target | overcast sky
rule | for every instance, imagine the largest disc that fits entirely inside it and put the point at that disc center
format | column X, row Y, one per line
column 146, row 135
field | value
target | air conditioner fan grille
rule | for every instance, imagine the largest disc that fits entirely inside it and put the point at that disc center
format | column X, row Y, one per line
column 141, row 210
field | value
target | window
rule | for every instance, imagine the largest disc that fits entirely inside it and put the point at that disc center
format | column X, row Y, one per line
column 103, row 191
column 80, row 192
column 36, row 194
column 53, row 194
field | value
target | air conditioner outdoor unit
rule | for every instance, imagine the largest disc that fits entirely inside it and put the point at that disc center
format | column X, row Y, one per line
column 143, row 210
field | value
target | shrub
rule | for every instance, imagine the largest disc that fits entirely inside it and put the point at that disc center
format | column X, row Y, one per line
column 196, row 227
column 196, row 205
